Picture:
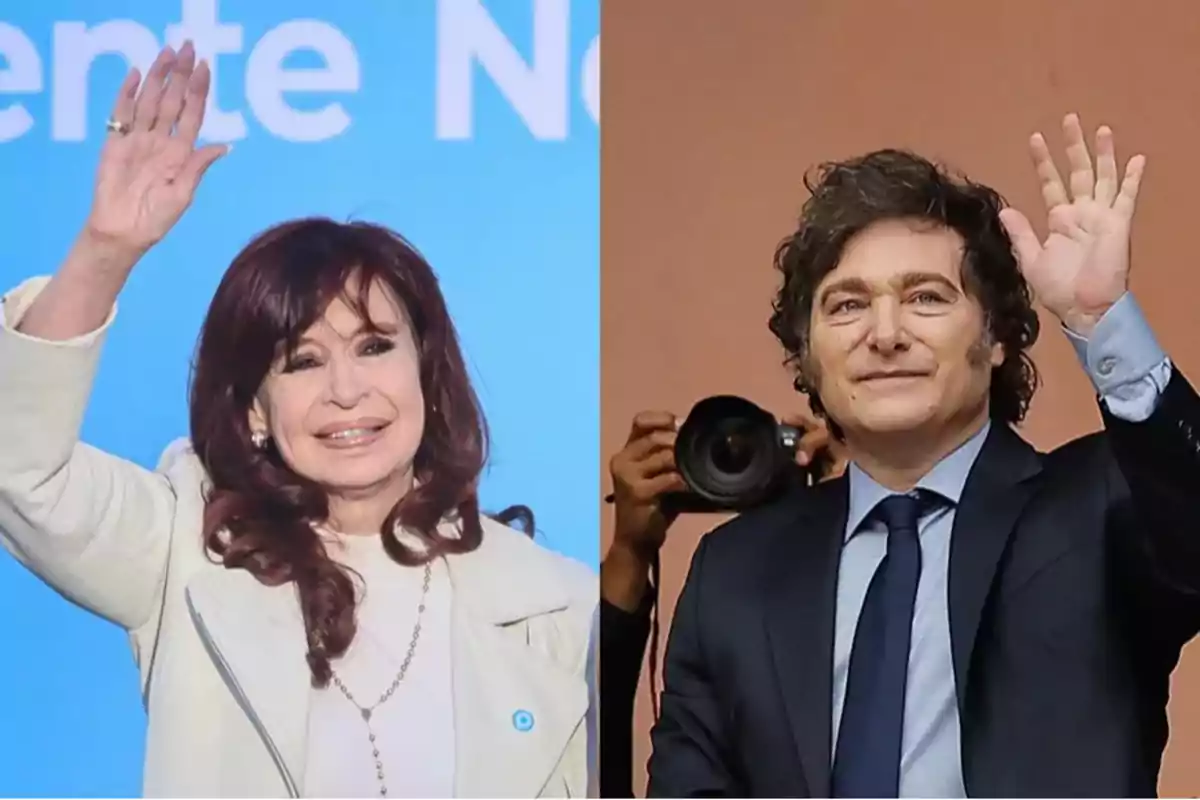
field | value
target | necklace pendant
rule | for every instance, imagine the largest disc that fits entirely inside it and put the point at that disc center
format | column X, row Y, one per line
column 366, row 714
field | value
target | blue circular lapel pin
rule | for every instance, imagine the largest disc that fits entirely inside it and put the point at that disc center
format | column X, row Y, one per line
column 522, row 720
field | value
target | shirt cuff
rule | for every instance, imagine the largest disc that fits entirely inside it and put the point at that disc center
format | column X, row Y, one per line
column 1124, row 361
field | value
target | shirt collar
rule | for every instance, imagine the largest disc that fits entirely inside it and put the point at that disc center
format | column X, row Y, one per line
column 946, row 479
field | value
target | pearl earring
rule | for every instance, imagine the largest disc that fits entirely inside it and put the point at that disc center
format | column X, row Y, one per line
column 259, row 440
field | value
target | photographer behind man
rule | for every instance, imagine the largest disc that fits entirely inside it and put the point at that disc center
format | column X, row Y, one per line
column 959, row 615
column 643, row 473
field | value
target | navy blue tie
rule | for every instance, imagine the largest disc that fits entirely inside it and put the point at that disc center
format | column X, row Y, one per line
column 867, row 760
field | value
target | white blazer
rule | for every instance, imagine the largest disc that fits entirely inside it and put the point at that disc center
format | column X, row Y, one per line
column 221, row 656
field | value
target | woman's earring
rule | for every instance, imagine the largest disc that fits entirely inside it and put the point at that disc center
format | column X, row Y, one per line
column 259, row 440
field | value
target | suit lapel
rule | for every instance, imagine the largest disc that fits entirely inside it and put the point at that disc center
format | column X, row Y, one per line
column 802, row 589
column 516, row 706
column 803, row 586
column 995, row 494
column 514, row 712
column 255, row 635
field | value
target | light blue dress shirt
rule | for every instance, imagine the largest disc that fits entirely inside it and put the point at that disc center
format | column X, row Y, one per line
column 1129, row 370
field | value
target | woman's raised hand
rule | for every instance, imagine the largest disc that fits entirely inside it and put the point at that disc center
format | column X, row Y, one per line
column 150, row 165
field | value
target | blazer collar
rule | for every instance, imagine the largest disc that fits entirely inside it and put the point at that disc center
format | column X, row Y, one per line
column 255, row 635
column 508, row 578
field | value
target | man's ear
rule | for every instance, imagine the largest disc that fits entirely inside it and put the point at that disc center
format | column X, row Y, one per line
column 997, row 354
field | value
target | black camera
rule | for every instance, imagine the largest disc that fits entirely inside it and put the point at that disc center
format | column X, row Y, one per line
column 734, row 455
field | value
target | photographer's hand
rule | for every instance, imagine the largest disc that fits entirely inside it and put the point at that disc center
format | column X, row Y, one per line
column 817, row 444
column 642, row 472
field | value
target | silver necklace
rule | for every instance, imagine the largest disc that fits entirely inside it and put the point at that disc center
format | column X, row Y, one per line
column 368, row 711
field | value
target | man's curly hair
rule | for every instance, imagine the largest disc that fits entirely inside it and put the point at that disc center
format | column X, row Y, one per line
column 849, row 196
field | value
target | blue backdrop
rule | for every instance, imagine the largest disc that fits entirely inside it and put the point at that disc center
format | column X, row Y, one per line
column 469, row 125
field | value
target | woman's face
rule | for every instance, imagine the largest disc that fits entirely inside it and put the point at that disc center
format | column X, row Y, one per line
column 346, row 409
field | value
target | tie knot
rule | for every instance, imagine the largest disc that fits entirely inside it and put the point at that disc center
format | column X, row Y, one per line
column 900, row 512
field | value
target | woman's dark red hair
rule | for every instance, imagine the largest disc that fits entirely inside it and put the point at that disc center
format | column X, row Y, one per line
column 259, row 512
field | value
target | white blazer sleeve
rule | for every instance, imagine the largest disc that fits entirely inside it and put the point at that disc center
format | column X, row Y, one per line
column 93, row 526
column 593, row 713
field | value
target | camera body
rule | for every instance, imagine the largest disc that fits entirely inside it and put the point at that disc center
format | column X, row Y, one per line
column 734, row 455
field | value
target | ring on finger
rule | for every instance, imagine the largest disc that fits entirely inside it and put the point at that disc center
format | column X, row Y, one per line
column 117, row 127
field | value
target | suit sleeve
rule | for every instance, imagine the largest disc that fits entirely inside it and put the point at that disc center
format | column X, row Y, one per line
column 689, row 739
column 1159, row 464
column 94, row 527
column 1151, row 415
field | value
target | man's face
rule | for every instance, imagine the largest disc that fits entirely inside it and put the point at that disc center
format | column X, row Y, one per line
column 896, row 345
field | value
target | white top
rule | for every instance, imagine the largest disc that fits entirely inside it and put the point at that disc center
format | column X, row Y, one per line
column 414, row 728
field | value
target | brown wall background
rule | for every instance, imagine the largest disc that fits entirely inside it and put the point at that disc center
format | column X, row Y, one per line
column 714, row 109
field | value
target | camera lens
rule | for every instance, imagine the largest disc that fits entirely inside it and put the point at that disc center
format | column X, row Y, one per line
column 734, row 452
column 729, row 451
